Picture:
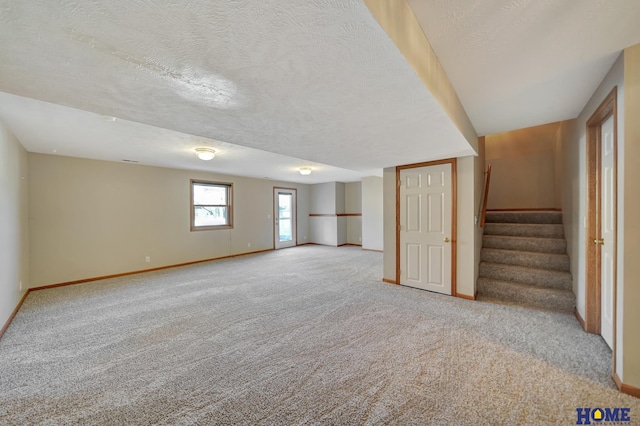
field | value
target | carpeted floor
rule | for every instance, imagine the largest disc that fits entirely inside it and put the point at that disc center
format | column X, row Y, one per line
column 308, row 335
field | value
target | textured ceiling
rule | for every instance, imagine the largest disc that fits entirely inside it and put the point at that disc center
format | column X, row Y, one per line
column 315, row 80
column 54, row 129
column 520, row 63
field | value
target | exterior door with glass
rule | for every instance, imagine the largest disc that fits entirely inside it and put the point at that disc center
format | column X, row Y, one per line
column 284, row 203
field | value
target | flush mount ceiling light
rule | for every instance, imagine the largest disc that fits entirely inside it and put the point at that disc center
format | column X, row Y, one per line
column 304, row 171
column 205, row 154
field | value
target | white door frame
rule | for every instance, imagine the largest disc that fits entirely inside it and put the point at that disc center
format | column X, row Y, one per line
column 454, row 226
column 294, row 223
column 593, row 288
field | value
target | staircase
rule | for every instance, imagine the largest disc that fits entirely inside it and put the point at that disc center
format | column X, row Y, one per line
column 524, row 261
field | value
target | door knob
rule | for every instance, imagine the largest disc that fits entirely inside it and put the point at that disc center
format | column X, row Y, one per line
column 446, row 239
column 601, row 242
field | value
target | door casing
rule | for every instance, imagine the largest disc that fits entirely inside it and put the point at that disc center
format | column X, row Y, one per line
column 454, row 209
column 593, row 288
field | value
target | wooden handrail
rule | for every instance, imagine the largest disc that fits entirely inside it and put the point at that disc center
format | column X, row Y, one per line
column 486, row 196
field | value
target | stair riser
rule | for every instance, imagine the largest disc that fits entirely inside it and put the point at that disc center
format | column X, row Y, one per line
column 524, row 217
column 521, row 230
column 549, row 245
column 538, row 277
column 530, row 260
column 564, row 302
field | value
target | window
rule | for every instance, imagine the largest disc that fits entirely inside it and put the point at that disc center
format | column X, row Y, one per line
column 211, row 205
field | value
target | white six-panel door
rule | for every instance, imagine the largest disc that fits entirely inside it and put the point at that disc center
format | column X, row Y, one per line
column 607, row 232
column 425, row 227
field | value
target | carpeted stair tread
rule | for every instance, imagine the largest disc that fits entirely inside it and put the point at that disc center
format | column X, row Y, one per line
column 525, row 295
column 530, row 244
column 521, row 274
column 523, row 261
column 525, row 230
column 544, row 216
column 553, row 261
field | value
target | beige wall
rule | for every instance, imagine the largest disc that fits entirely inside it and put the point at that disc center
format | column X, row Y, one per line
column 93, row 218
column 566, row 131
column 523, row 166
column 575, row 191
column 323, row 229
column 353, row 197
column 625, row 75
column 479, row 181
column 467, row 262
column 630, row 254
column 14, row 232
column 353, row 204
column 570, row 189
column 389, row 222
column 323, row 198
column 341, row 221
column 339, row 197
column 331, row 199
column 372, row 213
column 399, row 22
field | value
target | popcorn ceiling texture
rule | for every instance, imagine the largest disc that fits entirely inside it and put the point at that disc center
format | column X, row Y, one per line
column 42, row 126
column 318, row 80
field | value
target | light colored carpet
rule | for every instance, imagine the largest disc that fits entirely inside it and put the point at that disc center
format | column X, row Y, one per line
column 524, row 261
column 308, row 335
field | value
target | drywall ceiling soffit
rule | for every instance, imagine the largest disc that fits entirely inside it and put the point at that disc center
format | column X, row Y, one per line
column 48, row 128
column 316, row 80
column 520, row 63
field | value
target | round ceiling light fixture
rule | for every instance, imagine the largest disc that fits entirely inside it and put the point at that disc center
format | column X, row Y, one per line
column 305, row 171
column 205, row 154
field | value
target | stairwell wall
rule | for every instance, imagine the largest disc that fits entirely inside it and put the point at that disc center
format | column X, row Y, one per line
column 574, row 197
column 523, row 167
column 629, row 152
column 479, row 181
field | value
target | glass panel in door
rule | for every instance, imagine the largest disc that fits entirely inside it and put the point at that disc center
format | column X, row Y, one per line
column 284, row 213
column 285, row 217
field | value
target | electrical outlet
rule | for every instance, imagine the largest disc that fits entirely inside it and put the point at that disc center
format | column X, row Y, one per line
column 20, row 285
column 305, row 238
column 147, row 259
column 249, row 245
column 360, row 239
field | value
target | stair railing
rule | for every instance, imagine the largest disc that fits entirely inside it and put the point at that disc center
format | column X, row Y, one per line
column 483, row 208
